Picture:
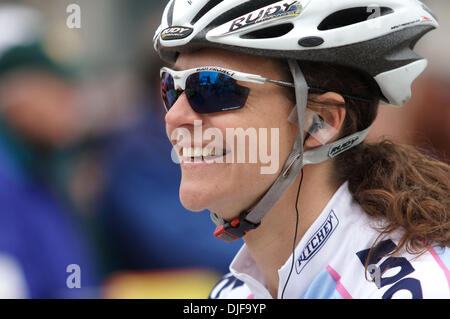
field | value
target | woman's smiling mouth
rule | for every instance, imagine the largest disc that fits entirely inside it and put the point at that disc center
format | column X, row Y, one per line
column 202, row 154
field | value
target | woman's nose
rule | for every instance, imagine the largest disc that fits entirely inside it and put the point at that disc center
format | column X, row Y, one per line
column 181, row 113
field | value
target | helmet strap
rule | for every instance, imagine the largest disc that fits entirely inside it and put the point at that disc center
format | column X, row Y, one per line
column 250, row 219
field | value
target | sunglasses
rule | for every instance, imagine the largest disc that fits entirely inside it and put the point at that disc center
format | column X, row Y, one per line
column 209, row 89
column 214, row 89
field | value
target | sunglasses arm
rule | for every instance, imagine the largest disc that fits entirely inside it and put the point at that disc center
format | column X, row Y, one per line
column 261, row 80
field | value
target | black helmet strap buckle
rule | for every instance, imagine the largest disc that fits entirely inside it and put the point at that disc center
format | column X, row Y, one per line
column 235, row 229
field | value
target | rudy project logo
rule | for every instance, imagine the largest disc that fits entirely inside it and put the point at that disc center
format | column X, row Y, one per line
column 216, row 69
column 278, row 10
column 316, row 241
column 335, row 151
column 176, row 33
column 422, row 19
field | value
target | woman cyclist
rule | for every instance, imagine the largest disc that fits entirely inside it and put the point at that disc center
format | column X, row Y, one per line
column 340, row 218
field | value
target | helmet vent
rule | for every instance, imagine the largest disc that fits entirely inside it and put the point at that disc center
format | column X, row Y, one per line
column 170, row 14
column 351, row 16
column 206, row 8
column 270, row 32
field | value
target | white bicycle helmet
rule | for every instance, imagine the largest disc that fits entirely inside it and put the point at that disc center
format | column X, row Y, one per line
column 375, row 37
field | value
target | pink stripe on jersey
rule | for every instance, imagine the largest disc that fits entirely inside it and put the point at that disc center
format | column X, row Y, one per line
column 441, row 264
column 339, row 287
column 252, row 296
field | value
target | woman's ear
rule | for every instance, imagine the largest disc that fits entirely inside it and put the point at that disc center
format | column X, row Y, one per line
column 332, row 114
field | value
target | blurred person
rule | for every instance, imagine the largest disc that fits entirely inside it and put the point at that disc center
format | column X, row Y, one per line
column 428, row 128
column 40, row 238
column 433, row 122
column 122, row 158
column 340, row 218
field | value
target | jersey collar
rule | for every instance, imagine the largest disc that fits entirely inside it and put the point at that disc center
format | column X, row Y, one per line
column 312, row 254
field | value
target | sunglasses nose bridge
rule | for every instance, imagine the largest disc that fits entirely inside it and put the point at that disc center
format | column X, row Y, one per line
column 179, row 82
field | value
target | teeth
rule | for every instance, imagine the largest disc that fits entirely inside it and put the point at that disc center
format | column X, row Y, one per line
column 198, row 152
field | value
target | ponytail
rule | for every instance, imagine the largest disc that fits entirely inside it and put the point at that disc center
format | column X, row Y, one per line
column 403, row 187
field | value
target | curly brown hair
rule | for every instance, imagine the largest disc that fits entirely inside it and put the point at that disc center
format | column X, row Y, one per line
column 406, row 188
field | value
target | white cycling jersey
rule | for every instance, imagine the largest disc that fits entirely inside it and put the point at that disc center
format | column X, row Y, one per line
column 331, row 258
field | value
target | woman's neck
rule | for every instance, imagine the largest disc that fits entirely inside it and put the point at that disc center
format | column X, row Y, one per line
column 270, row 245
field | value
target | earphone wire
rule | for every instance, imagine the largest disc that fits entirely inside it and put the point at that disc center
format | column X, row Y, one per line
column 295, row 236
column 296, row 227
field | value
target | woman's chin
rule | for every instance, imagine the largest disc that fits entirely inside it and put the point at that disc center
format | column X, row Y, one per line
column 193, row 200
column 192, row 206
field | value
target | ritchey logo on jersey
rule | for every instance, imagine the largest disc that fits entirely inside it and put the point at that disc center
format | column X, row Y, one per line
column 176, row 33
column 316, row 241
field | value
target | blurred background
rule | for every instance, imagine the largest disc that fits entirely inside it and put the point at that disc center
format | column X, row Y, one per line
column 86, row 176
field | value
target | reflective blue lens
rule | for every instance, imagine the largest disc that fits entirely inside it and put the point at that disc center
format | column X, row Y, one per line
column 168, row 92
column 206, row 91
column 210, row 92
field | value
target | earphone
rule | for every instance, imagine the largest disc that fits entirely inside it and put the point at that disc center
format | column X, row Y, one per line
column 317, row 123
